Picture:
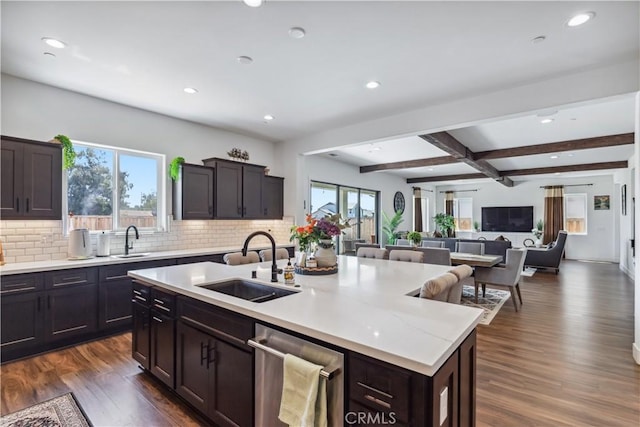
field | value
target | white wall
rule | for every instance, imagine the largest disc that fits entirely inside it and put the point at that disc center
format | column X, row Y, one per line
column 602, row 240
column 636, row 178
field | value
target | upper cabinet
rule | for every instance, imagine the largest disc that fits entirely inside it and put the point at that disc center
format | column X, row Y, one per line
column 241, row 191
column 193, row 192
column 272, row 197
column 31, row 179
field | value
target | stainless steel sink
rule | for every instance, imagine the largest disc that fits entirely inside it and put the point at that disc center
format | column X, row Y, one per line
column 248, row 290
column 134, row 255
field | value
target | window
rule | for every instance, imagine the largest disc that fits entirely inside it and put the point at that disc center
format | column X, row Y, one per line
column 359, row 207
column 463, row 214
column 575, row 213
column 111, row 188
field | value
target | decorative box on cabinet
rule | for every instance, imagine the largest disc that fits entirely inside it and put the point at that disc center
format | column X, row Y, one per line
column 31, row 179
column 193, row 192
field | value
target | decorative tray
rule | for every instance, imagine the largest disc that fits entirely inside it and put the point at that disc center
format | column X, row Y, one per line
column 316, row 271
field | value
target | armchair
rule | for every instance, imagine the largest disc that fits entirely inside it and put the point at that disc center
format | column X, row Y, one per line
column 547, row 257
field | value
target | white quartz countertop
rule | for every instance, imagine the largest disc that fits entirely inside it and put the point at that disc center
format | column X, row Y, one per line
column 366, row 307
column 63, row 264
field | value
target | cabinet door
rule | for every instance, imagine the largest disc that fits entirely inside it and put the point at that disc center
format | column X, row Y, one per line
column 252, row 177
column 22, row 325
column 114, row 299
column 162, row 363
column 11, row 179
column 228, row 194
column 43, row 181
column 71, row 311
column 232, row 398
column 140, row 345
column 192, row 366
column 273, row 197
column 196, row 189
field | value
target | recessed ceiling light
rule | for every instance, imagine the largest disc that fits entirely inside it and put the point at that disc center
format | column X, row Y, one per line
column 268, row 117
column 253, row 3
column 545, row 121
column 244, row 59
column 538, row 39
column 190, row 90
column 297, row 32
column 54, row 42
column 580, row 19
column 49, row 55
column 372, row 85
column 555, row 156
column 557, row 173
column 430, row 169
column 333, row 154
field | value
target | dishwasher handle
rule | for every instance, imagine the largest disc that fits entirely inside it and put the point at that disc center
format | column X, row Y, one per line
column 259, row 344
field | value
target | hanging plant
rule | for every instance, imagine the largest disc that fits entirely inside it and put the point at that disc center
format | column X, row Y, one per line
column 174, row 167
column 68, row 153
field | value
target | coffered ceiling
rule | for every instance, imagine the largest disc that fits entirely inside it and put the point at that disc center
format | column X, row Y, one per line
column 144, row 54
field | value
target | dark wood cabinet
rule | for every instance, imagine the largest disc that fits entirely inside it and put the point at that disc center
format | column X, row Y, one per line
column 214, row 366
column 70, row 312
column 193, row 192
column 273, row 197
column 31, row 179
column 163, row 336
column 252, row 180
column 228, row 189
column 140, row 333
column 22, row 323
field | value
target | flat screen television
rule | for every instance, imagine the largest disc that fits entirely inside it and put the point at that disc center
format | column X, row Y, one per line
column 508, row 219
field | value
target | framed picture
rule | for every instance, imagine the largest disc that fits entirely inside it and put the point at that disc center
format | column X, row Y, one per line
column 623, row 198
column 601, row 203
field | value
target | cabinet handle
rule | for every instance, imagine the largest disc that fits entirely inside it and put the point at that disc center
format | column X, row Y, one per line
column 375, row 390
column 162, row 308
column 265, row 211
column 157, row 319
column 239, row 211
column 244, row 211
column 210, row 210
column 202, row 356
column 211, row 350
column 17, row 204
column 27, row 205
column 378, row 401
column 39, row 300
column 139, row 298
column 158, row 301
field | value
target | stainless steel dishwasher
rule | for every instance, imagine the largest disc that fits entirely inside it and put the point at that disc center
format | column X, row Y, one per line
column 271, row 346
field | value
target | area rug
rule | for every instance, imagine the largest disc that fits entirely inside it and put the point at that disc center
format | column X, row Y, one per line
column 61, row 411
column 490, row 303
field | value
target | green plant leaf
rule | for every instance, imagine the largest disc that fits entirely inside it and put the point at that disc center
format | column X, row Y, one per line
column 68, row 153
column 174, row 167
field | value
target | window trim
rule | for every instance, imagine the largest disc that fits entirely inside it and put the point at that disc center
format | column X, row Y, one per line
column 161, row 183
column 586, row 213
column 456, row 208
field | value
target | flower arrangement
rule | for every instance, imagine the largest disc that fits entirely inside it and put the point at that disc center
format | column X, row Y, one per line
column 316, row 230
column 238, row 154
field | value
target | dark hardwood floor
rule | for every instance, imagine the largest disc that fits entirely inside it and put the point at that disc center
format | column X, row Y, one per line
column 563, row 360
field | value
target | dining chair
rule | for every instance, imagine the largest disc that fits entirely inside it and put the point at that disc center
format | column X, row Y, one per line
column 442, row 288
column 470, row 248
column 348, row 245
column 281, row 253
column 506, row 277
column 440, row 256
column 406, row 255
column 464, row 273
column 403, row 242
column 375, row 253
column 432, row 244
column 366, row 245
column 236, row 258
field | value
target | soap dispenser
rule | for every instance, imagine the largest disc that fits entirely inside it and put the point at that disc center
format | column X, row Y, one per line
column 289, row 274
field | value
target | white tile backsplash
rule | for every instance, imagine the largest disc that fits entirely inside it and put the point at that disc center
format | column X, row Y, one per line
column 26, row 241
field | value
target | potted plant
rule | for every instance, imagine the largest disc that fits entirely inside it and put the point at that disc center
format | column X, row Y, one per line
column 174, row 167
column 415, row 237
column 390, row 226
column 538, row 231
column 476, row 225
column 68, row 153
column 446, row 224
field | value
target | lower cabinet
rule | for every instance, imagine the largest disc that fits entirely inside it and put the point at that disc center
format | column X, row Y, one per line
column 214, row 366
column 64, row 319
column 22, row 320
column 163, row 336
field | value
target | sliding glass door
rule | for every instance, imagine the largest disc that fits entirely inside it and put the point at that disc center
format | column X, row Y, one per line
column 357, row 206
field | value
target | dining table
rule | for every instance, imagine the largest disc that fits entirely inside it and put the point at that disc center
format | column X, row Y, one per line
column 474, row 260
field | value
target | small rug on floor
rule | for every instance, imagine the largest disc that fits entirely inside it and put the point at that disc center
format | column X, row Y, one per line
column 528, row 272
column 61, row 411
column 490, row 303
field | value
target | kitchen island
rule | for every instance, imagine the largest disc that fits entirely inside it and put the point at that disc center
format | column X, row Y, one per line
column 367, row 310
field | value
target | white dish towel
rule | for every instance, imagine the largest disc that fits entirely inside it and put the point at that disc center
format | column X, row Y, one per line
column 304, row 394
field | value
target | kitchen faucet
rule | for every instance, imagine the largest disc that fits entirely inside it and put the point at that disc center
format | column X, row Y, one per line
column 274, row 266
column 126, row 239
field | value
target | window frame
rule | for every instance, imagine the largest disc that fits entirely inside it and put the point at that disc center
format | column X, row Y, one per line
column 161, row 185
column 585, row 198
column 456, row 212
